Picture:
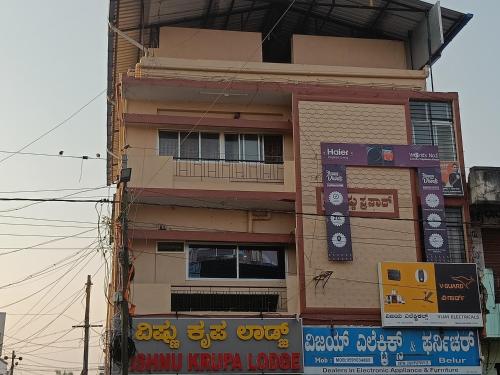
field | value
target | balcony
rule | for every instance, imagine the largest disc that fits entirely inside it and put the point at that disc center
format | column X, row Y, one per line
column 260, row 172
column 228, row 298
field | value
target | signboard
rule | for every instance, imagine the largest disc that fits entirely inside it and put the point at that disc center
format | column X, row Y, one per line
column 375, row 350
column 451, row 178
column 429, row 29
column 405, row 156
column 216, row 345
column 366, row 202
column 432, row 201
column 428, row 294
column 424, row 157
column 336, row 203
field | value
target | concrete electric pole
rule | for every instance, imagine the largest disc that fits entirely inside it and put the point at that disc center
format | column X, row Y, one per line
column 124, row 178
column 13, row 361
column 86, row 327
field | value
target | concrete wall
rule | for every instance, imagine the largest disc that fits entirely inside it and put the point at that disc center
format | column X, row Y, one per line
column 354, row 284
column 354, row 52
column 188, row 43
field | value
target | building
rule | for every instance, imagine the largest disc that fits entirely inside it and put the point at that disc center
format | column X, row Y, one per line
column 3, row 367
column 231, row 113
column 484, row 185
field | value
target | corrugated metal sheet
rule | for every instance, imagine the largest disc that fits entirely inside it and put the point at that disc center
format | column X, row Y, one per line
column 392, row 19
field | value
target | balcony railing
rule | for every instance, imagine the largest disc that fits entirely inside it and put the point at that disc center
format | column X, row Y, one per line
column 228, row 298
column 245, row 171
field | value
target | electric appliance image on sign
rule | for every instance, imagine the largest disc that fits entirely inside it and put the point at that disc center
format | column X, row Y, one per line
column 225, row 345
column 335, row 157
column 376, row 350
column 427, row 294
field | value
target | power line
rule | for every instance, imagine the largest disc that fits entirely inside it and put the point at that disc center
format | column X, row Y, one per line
column 36, row 275
column 84, row 157
column 46, row 225
column 53, row 190
column 104, row 200
column 46, row 242
column 57, row 294
column 54, row 127
column 47, row 219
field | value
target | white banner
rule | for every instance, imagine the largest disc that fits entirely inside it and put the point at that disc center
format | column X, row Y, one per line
column 432, row 319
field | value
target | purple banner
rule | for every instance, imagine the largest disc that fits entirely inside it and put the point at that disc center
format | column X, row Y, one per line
column 432, row 201
column 336, row 156
column 336, row 202
column 380, row 155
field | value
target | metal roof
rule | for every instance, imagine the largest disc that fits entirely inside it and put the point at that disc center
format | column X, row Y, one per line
column 381, row 19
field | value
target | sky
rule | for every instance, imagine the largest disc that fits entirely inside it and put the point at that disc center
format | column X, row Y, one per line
column 53, row 63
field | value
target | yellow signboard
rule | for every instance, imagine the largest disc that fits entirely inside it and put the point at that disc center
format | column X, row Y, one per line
column 429, row 294
column 408, row 288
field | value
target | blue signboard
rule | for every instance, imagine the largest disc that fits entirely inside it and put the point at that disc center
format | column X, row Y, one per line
column 374, row 350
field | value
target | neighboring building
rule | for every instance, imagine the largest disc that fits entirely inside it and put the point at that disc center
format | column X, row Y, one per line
column 223, row 132
column 3, row 367
column 484, row 185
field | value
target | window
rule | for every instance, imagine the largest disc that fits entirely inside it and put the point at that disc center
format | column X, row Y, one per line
column 455, row 229
column 236, row 147
column 232, row 262
column 201, row 300
column 168, row 144
column 432, row 124
column 170, row 246
column 253, row 147
column 189, row 145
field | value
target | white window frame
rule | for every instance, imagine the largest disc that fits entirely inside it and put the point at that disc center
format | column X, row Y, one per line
column 222, row 146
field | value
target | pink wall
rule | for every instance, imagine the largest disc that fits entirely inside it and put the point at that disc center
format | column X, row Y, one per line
column 184, row 43
column 354, row 52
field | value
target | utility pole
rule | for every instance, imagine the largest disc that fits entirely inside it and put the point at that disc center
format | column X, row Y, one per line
column 86, row 327
column 124, row 178
column 12, row 363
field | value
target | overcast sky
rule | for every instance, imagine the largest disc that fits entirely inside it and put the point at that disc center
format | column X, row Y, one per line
column 54, row 62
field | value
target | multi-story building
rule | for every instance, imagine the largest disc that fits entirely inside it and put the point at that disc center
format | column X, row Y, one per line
column 484, row 186
column 221, row 115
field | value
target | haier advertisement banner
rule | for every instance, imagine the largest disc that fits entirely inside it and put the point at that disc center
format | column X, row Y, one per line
column 429, row 294
column 375, row 350
column 229, row 345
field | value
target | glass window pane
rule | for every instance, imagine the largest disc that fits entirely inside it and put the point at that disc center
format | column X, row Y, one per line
column 261, row 263
column 445, row 140
column 210, row 146
column 422, row 134
column 441, row 111
column 168, row 144
column 231, row 147
column 455, row 229
column 251, row 147
column 212, row 261
column 273, row 149
column 189, row 146
column 432, row 124
column 170, row 246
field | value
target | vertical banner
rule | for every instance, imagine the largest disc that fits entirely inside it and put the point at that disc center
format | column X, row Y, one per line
column 432, row 202
column 451, row 177
column 336, row 202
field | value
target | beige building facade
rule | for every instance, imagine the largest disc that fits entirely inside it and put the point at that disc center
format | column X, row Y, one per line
column 191, row 200
column 225, row 200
